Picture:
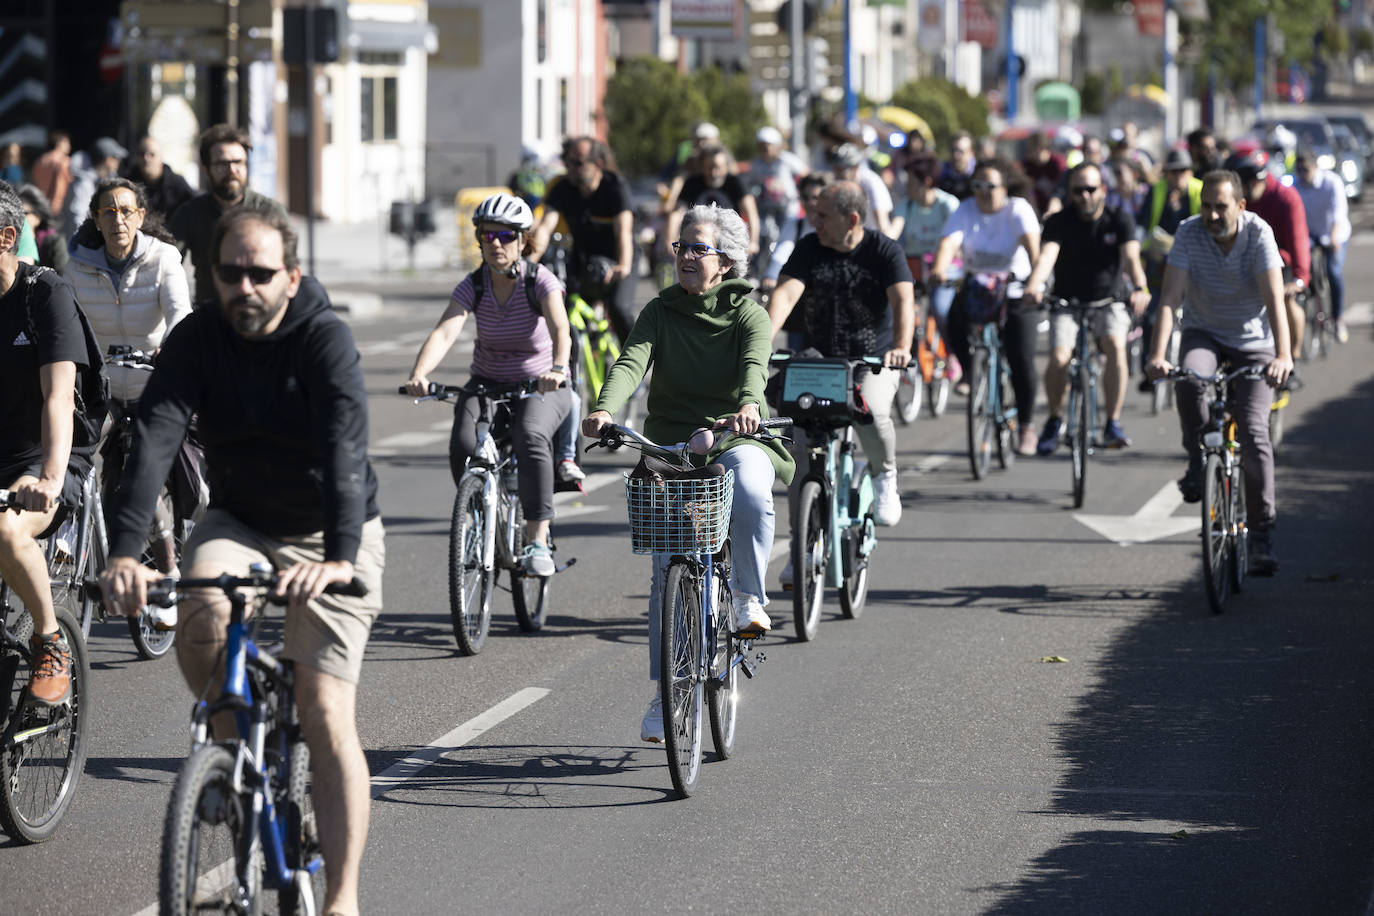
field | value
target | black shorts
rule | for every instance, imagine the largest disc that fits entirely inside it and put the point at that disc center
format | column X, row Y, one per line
column 77, row 469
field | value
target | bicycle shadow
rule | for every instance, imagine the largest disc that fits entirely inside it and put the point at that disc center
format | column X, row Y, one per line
column 122, row 769
column 1106, row 600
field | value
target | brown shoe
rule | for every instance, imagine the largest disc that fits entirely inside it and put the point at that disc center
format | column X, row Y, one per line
column 51, row 664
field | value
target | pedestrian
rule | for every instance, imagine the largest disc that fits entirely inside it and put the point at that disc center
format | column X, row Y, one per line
column 52, row 247
column 87, row 170
column 12, row 164
column 52, row 173
column 164, row 189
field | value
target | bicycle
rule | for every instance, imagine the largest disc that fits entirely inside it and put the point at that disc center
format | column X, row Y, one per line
column 1162, row 396
column 929, row 378
column 833, row 534
column 1315, row 299
column 42, row 748
column 1225, row 528
column 240, row 820
column 989, row 376
column 487, row 527
column 687, row 519
column 1083, row 370
column 593, row 340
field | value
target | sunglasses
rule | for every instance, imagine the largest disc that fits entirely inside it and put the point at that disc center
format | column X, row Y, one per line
column 504, row 236
column 694, row 249
column 574, row 163
column 984, row 185
column 233, row 274
column 1086, row 189
column 120, row 213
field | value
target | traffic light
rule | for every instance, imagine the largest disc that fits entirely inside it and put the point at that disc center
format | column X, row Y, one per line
column 325, row 27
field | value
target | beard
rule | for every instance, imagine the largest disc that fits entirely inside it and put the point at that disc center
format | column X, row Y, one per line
column 229, row 189
column 1221, row 230
column 248, row 315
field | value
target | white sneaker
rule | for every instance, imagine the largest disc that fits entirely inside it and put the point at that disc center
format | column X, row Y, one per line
column 162, row 618
column 569, row 472
column 748, row 615
column 651, row 728
column 887, row 504
column 785, row 577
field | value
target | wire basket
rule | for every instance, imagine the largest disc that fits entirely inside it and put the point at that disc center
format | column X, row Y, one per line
column 679, row 516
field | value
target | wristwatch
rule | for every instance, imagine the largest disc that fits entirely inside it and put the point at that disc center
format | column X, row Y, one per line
column 558, row 368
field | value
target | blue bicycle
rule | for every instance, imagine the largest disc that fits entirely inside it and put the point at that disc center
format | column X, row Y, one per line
column 991, row 412
column 240, row 821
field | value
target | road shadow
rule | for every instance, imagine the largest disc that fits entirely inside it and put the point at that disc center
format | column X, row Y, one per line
column 1223, row 763
column 127, row 769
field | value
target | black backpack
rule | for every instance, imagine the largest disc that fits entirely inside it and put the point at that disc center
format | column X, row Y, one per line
column 92, row 385
column 479, row 286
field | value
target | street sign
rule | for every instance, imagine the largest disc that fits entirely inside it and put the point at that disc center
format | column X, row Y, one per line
column 979, row 25
column 705, row 19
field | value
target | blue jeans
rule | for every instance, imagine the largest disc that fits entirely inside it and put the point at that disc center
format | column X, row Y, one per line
column 1335, row 275
column 751, row 538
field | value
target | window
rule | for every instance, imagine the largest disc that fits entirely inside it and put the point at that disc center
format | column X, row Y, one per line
column 563, row 107
column 541, row 25
column 377, row 115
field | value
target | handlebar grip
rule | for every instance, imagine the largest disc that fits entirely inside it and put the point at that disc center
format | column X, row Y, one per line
column 775, row 422
column 355, row 588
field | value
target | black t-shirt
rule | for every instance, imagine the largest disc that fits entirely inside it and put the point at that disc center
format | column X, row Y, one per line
column 1089, row 264
column 728, row 196
column 60, row 338
column 845, row 310
column 592, row 219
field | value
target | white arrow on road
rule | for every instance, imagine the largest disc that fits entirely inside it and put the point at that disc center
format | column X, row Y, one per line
column 1152, row 521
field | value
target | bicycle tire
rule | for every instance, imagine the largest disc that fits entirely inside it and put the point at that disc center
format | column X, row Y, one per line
column 469, row 585
column 937, row 393
column 39, row 772
column 1006, row 426
column 195, row 865
column 64, row 581
column 529, row 594
column 910, row 394
column 681, row 686
column 979, row 418
column 854, row 586
column 809, row 553
column 723, row 689
column 1240, row 530
column 1080, row 434
column 150, row 642
column 297, row 812
column 1216, row 576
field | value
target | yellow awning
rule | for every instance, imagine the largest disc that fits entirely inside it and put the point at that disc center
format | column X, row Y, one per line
column 902, row 119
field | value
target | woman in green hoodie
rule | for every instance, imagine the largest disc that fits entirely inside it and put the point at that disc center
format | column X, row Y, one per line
column 708, row 343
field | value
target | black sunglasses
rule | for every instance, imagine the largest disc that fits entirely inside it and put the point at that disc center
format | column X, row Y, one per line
column 1086, row 188
column 233, row 274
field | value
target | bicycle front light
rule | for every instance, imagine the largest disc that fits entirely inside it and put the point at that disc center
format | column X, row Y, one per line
column 1212, row 439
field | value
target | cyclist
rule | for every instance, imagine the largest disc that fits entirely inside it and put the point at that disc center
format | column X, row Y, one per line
column 715, row 182
column 1100, row 239
column 809, row 189
column 997, row 232
column 849, row 162
column 708, row 343
column 44, row 344
column 595, row 200
column 275, row 380
column 1172, row 199
column 127, row 274
column 517, row 339
column 1328, row 226
column 773, row 176
column 1281, row 207
column 1227, row 263
column 854, row 290
column 928, row 209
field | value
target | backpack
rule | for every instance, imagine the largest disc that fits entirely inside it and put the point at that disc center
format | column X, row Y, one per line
column 92, row 393
column 479, row 286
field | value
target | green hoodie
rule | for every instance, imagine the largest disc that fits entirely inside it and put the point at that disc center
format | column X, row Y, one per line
column 709, row 354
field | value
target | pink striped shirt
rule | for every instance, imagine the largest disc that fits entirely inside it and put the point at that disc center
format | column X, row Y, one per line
column 513, row 341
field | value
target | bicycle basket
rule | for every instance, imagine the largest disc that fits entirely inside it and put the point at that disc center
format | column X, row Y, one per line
column 685, row 515
column 821, row 390
column 985, row 296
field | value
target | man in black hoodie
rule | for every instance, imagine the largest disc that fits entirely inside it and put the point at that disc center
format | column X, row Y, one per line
column 276, row 382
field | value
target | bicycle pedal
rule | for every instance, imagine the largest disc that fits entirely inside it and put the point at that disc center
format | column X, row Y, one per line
column 755, row 633
column 572, row 561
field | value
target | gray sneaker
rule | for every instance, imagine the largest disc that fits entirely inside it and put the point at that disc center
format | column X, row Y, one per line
column 651, row 727
column 537, row 560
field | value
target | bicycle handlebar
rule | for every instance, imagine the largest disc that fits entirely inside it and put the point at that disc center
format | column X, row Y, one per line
column 126, row 357
column 874, row 363
column 1058, row 304
column 166, row 592
column 7, row 501
column 1177, row 372
column 613, row 436
column 440, row 392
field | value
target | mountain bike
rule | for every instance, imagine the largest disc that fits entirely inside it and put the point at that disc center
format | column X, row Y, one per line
column 42, row 748
column 833, row 534
column 240, row 821
column 1084, row 371
column 990, row 417
column 594, row 344
column 1225, row 525
column 682, row 513
column 487, row 527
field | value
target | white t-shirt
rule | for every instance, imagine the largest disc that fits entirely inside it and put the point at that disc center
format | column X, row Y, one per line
column 879, row 197
column 991, row 242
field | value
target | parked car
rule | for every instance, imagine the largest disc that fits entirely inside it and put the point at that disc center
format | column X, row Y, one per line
column 1313, row 131
column 1358, row 126
column 1350, row 161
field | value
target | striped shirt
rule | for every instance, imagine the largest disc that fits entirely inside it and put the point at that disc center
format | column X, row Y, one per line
column 1223, row 297
column 513, row 341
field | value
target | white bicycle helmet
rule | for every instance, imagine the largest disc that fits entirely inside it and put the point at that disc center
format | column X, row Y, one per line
column 504, row 210
column 1282, row 139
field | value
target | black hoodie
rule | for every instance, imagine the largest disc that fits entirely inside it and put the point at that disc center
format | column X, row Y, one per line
column 283, row 420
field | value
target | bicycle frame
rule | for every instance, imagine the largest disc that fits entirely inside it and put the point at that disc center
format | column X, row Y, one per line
column 989, row 338
column 597, row 348
column 835, row 467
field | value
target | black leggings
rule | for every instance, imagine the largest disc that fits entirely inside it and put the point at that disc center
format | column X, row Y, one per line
column 532, row 422
column 1018, row 342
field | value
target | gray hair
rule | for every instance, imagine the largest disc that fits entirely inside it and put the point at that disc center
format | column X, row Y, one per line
column 11, row 209
column 732, row 236
column 848, row 197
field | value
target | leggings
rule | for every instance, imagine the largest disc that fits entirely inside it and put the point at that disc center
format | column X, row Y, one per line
column 532, row 422
column 1018, row 343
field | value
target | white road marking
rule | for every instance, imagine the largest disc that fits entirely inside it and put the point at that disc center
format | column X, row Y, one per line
column 565, row 512
column 1152, row 521
column 406, row 340
column 410, row 440
column 930, row 463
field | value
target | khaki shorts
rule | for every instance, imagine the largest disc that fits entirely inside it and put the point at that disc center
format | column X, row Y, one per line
column 330, row 633
column 1114, row 321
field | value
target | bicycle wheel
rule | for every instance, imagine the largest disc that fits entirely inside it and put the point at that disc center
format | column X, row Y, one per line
column 910, row 393
column 469, row 585
column 302, row 839
column 1240, row 530
column 151, row 642
column 937, row 394
column 680, row 647
column 1080, row 434
column 64, row 579
column 1216, row 551
column 980, row 420
column 42, row 759
column 205, row 839
column 854, row 584
column 1006, row 426
column 723, row 689
column 529, row 594
column 809, row 550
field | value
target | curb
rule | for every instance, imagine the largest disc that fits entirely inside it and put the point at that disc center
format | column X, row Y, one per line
column 356, row 303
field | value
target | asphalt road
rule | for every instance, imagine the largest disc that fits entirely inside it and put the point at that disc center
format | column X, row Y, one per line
column 923, row 758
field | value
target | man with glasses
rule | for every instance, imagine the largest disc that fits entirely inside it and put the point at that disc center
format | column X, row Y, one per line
column 1227, row 263
column 275, row 380
column 1099, row 239
column 224, row 155
column 164, row 188
column 1328, row 225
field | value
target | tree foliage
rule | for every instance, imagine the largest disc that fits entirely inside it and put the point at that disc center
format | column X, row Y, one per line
column 945, row 106
column 1228, row 38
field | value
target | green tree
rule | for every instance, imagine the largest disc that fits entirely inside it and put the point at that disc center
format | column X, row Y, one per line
column 650, row 108
column 945, row 106
column 733, row 107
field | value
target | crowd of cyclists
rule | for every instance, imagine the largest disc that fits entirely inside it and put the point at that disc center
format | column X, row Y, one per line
column 840, row 256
